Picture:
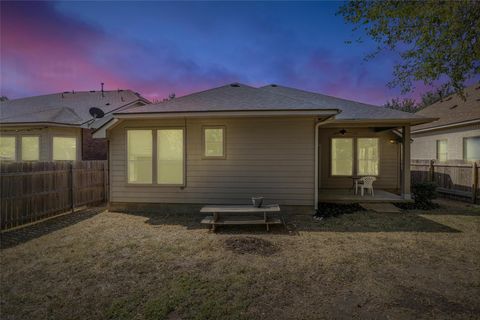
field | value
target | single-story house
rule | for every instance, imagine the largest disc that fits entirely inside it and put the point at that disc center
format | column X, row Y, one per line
column 455, row 135
column 58, row 126
column 227, row 144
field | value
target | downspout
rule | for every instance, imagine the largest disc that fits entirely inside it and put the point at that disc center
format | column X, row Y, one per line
column 317, row 126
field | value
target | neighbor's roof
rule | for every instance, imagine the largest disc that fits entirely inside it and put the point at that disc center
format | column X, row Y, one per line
column 240, row 97
column 67, row 108
column 453, row 110
column 231, row 97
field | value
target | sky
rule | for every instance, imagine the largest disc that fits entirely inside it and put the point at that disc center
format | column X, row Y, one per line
column 158, row 48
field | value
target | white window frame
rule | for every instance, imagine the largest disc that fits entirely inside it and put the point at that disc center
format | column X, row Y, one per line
column 156, row 157
column 154, row 182
column 357, row 159
column 16, row 151
column 39, row 145
column 65, row 136
column 464, row 140
column 331, row 157
column 437, row 153
column 224, row 135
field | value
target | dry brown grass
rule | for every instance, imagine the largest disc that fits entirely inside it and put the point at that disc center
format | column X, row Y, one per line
column 365, row 265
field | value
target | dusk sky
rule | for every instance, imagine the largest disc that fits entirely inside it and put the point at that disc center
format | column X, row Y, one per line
column 158, row 48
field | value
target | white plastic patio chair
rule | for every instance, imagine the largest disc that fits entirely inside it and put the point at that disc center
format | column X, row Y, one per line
column 365, row 183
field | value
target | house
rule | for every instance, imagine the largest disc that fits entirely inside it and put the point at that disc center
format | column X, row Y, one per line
column 455, row 135
column 58, row 126
column 227, row 144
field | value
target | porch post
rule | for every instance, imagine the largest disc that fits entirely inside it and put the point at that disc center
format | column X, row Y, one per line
column 406, row 162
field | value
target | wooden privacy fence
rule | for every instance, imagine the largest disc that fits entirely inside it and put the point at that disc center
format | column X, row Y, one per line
column 32, row 191
column 456, row 178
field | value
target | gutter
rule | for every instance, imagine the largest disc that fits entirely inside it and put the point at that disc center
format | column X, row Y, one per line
column 457, row 124
column 317, row 126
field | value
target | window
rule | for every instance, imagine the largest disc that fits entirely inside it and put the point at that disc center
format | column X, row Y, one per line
column 139, row 157
column 471, row 148
column 64, row 148
column 342, row 156
column 214, row 142
column 367, row 156
column 170, row 156
column 30, row 148
column 7, row 148
column 442, row 151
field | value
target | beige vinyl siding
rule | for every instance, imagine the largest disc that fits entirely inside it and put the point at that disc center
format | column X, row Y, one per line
column 46, row 135
column 424, row 146
column 389, row 158
column 270, row 157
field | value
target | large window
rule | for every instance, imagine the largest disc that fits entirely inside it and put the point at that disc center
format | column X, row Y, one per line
column 64, row 148
column 442, row 150
column 7, row 148
column 170, row 156
column 140, row 151
column 30, row 148
column 367, row 153
column 342, row 156
column 214, row 142
column 471, row 148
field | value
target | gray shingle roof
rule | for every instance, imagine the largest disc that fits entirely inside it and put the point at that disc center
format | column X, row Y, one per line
column 231, row 97
column 240, row 97
column 64, row 108
column 453, row 109
column 351, row 110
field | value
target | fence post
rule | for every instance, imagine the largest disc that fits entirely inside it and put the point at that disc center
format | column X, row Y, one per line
column 431, row 170
column 474, row 181
column 72, row 184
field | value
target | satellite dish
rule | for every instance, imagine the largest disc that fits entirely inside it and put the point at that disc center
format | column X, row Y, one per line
column 97, row 113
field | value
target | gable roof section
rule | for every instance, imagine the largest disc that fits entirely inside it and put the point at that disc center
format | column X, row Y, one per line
column 68, row 108
column 231, row 97
column 351, row 110
column 453, row 110
column 239, row 99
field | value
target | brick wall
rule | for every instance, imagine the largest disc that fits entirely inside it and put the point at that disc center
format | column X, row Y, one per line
column 93, row 149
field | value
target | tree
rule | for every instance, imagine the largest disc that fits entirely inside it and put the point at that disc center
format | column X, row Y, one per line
column 407, row 105
column 428, row 98
column 436, row 40
column 3, row 98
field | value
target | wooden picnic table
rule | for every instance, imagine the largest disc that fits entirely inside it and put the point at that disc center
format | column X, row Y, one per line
column 216, row 220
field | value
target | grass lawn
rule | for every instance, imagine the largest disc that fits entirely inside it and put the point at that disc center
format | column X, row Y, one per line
column 108, row 265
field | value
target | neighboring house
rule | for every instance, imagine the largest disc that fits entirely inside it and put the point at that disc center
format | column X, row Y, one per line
column 455, row 135
column 227, row 144
column 58, row 126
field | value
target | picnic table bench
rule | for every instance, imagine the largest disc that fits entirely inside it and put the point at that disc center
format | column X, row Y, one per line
column 244, row 210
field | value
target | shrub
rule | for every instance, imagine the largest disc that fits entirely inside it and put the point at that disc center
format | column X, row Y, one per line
column 423, row 194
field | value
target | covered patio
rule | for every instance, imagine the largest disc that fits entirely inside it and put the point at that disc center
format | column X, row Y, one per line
column 347, row 195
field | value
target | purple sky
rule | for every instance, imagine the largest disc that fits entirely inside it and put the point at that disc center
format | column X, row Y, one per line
column 158, row 48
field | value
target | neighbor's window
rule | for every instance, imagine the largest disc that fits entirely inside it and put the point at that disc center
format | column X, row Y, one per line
column 64, row 148
column 471, row 148
column 140, row 156
column 170, row 156
column 214, row 142
column 367, row 153
column 30, row 148
column 342, row 156
column 7, row 148
column 442, row 150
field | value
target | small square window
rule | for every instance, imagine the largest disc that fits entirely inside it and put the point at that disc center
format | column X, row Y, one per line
column 214, row 142
column 30, row 148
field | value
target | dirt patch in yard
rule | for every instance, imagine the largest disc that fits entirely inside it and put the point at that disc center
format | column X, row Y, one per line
column 252, row 245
